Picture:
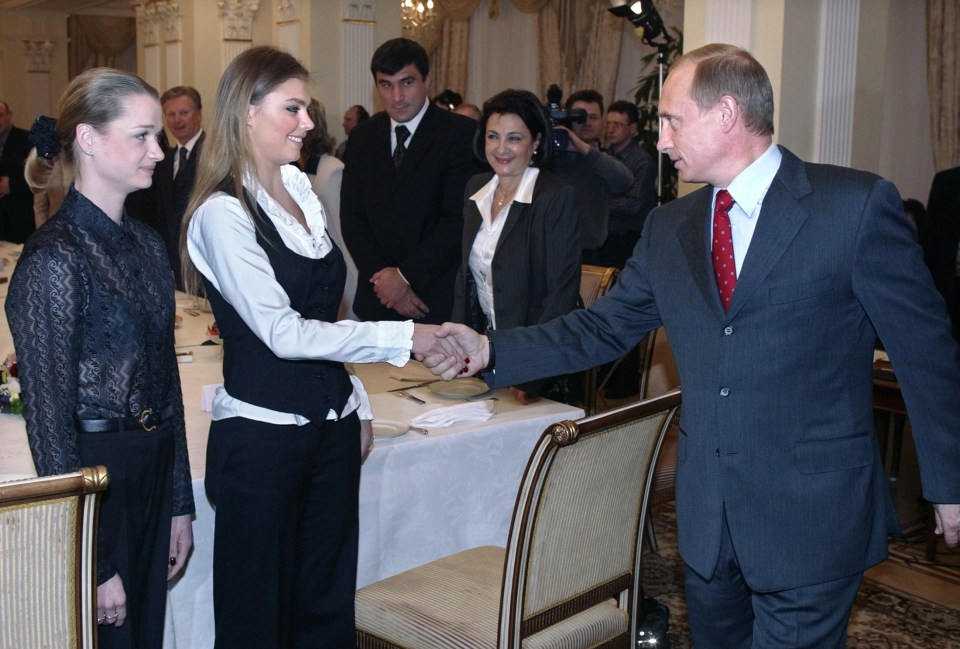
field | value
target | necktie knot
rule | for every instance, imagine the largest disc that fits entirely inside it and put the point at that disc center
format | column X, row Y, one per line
column 402, row 133
column 724, row 201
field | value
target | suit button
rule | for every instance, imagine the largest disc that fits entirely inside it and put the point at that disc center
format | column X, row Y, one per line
column 724, row 392
column 727, row 330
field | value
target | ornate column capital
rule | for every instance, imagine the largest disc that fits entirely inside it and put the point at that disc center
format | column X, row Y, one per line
column 150, row 20
column 38, row 55
column 171, row 18
column 288, row 11
column 236, row 19
column 359, row 10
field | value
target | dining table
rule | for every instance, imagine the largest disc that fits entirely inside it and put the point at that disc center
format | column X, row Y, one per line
column 423, row 495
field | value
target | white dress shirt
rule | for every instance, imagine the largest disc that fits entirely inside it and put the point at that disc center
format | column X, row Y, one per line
column 222, row 243
column 748, row 190
column 485, row 243
column 411, row 126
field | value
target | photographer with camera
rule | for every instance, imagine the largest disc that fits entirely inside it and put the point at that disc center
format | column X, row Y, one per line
column 595, row 175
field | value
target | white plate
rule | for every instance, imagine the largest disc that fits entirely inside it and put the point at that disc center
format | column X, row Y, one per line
column 458, row 388
column 389, row 428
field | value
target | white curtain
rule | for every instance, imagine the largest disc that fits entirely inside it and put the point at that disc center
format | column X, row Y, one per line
column 503, row 53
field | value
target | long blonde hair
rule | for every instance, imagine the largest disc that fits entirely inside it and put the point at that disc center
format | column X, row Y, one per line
column 228, row 153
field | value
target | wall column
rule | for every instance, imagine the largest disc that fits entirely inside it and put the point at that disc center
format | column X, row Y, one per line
column 236, row 26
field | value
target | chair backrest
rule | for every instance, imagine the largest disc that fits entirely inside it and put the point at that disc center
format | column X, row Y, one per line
column 48, row 576
column 575, row 536
column 658, row 374
column 595, row 281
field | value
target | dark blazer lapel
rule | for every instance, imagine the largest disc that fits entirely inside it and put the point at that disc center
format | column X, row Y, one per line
column 381, row 153
column 163, row 176
column 420, row 141
column 471, row 224
column 781, row 217
column 694, row 240
column 514, row 215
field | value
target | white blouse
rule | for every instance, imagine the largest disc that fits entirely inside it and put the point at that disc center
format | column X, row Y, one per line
column 222, row 244
column 485, row 243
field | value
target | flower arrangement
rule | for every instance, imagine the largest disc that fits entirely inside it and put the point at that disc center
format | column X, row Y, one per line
column 10, row 401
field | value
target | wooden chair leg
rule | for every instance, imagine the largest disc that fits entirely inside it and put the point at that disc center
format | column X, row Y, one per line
column 899, row 421
column 882, row 420
column 931, row 549
column 650, row 534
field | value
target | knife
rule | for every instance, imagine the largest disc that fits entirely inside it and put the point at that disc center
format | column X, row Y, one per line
column 418, row 385
column 410, row 397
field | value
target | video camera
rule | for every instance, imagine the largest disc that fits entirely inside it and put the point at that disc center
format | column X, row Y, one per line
column 559, row 116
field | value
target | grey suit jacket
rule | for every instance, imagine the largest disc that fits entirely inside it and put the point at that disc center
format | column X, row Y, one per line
column 776, row 422
column 536, row 266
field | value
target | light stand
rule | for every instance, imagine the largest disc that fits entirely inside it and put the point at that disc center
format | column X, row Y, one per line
column 648, row 26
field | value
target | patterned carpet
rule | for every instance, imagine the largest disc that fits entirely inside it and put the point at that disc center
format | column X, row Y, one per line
column 882, row 618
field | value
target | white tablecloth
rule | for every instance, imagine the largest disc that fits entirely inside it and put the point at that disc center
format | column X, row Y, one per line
column 421, row 496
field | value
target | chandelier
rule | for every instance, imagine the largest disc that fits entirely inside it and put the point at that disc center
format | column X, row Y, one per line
column 416, row 14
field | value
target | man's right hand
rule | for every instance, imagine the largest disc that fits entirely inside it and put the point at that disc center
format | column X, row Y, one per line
column 396, row 294
column 474, row 348
column 111, row 602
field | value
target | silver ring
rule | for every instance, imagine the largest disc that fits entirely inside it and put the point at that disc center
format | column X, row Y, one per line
column 110, row 617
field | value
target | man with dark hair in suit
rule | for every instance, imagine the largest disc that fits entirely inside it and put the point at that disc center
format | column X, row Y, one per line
column 177, row 172
column 628, row 209
column 16, row 199
column 354, row 115
column 941, row 240
column 772, row 282
column 401, row 205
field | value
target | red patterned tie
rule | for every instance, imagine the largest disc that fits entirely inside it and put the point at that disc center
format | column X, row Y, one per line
column 724, row 266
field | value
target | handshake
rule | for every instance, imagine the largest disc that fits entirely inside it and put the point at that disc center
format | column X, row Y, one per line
column 450, row 350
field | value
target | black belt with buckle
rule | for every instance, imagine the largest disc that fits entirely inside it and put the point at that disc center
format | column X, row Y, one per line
column 147, row 420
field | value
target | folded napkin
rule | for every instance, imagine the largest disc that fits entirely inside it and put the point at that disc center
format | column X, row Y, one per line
column 461, row 413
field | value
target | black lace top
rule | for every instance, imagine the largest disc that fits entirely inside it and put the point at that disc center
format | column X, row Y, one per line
column 91, row 309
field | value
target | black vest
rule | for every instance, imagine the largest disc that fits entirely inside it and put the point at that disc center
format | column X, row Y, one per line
column 253, row 373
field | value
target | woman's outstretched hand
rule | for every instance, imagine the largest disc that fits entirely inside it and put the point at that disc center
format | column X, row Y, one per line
column 471, row 352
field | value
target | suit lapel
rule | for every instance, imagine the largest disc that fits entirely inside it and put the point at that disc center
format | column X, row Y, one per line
column 694, row 241
column 471, row 224
column 781, row 217
column 380, row 154
column 419, row 142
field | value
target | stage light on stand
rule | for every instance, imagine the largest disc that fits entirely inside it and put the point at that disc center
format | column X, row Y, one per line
column 643, row 15
column 648, row 25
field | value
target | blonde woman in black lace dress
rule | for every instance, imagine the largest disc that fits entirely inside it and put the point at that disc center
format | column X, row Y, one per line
column 91, row 309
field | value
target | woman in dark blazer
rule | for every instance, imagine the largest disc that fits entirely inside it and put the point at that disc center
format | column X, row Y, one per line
column 521, row 235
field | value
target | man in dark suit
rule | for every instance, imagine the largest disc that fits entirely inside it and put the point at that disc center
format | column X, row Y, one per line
column 16, row 199
column 177, row 172
column 401, row 203
column 941, row 240
column 782, row 500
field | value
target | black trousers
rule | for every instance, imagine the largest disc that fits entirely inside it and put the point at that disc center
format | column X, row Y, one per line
column 135, row 518
column 285, row 542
